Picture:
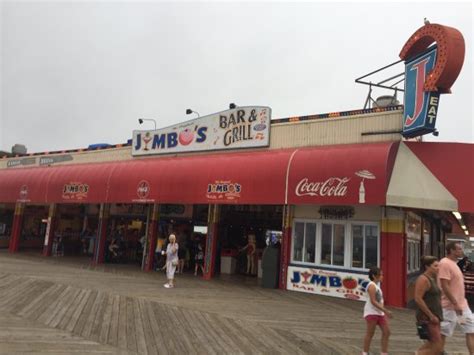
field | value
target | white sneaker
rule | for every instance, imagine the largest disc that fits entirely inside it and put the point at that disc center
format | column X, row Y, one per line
column 167, row 285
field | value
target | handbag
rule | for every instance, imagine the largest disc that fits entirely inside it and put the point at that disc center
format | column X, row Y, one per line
column 423, row 331
column 174, row 262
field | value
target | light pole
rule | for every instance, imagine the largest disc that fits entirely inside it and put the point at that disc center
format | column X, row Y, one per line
column 140, row 120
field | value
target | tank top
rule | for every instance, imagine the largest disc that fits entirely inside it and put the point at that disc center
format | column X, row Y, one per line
column 432, row 298
column 369, row 308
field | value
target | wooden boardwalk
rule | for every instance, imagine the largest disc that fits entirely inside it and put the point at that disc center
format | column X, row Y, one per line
column 66, row 306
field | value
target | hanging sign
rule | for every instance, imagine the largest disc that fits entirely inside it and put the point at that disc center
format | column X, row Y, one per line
column 429, row 72
column 421, row 107
column 243, row 127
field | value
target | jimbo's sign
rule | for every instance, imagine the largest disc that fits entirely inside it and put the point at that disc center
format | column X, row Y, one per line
column 243, row 127
column 328, row 283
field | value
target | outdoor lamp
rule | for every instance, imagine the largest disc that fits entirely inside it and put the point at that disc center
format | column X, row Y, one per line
column 189, row 111
column 141, row 120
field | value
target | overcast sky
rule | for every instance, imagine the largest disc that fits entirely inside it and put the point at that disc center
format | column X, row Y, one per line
column 74, row 74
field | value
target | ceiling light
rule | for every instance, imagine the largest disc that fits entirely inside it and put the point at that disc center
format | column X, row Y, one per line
column 466, row 232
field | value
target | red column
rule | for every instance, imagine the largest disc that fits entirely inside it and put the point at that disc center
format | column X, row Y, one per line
column 393, row 262
column 152, row 233
column 99, row 250
column 211, row 241
column 285, row 250
column 16, row 227
column 50, row 228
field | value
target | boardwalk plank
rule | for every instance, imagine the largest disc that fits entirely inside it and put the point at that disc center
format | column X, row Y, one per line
column 165, row 328
column 12, row 293
column 40, row 288
column 199, row 322
column 155, row 329
column 71, row 309
column 36, row 304
column 226, row 341
column 86, row 332
column 151, row 347
column 64, row 307
column 122, row 323
column 192, row 332
column 22, row 298
column 47, row 306
column 81, row 322
column 58, row 306
column 71, row 324
column 106, row 321
column 130, row 326
column 113, row 331
column 99, row 318
column 139, row 331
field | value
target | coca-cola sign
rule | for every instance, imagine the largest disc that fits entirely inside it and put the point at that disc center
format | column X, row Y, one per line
column 333, row 186
column 143, row 189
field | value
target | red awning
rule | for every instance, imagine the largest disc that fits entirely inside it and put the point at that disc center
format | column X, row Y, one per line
column 453, row 166
column 23, row 185
column 236, row 178
column 243, row 178
column 318, row 175
column 72, row 183
column 341, row 174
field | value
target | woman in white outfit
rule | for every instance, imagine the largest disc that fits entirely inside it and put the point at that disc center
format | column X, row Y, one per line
column 171, row 260
column 375, row 312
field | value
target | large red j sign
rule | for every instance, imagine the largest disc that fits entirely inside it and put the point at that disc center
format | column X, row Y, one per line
column 450, row 59
column 430, row 70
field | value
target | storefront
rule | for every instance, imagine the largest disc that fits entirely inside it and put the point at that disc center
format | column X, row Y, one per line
column 344, row 189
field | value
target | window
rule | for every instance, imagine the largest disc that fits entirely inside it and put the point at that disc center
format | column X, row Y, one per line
column 332, row 244
column 298, row 241
column 304, row 242
column 413, row 232
column 326, row 242
column 310, row 243
column 357, row 246
column 371, row 246
column 365, row 247
column 413, row 256
column 339, row 244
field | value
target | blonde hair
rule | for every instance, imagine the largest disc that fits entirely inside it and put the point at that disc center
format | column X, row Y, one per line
column 172, row 236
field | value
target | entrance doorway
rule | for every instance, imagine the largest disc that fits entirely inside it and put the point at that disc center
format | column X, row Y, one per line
column 6, row 222
column 33, row 230
column 242, row 234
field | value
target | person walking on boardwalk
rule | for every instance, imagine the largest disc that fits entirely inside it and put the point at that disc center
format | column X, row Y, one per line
column 455, row 307
column 171, row 260
column 375, row 312
column 429, row 313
